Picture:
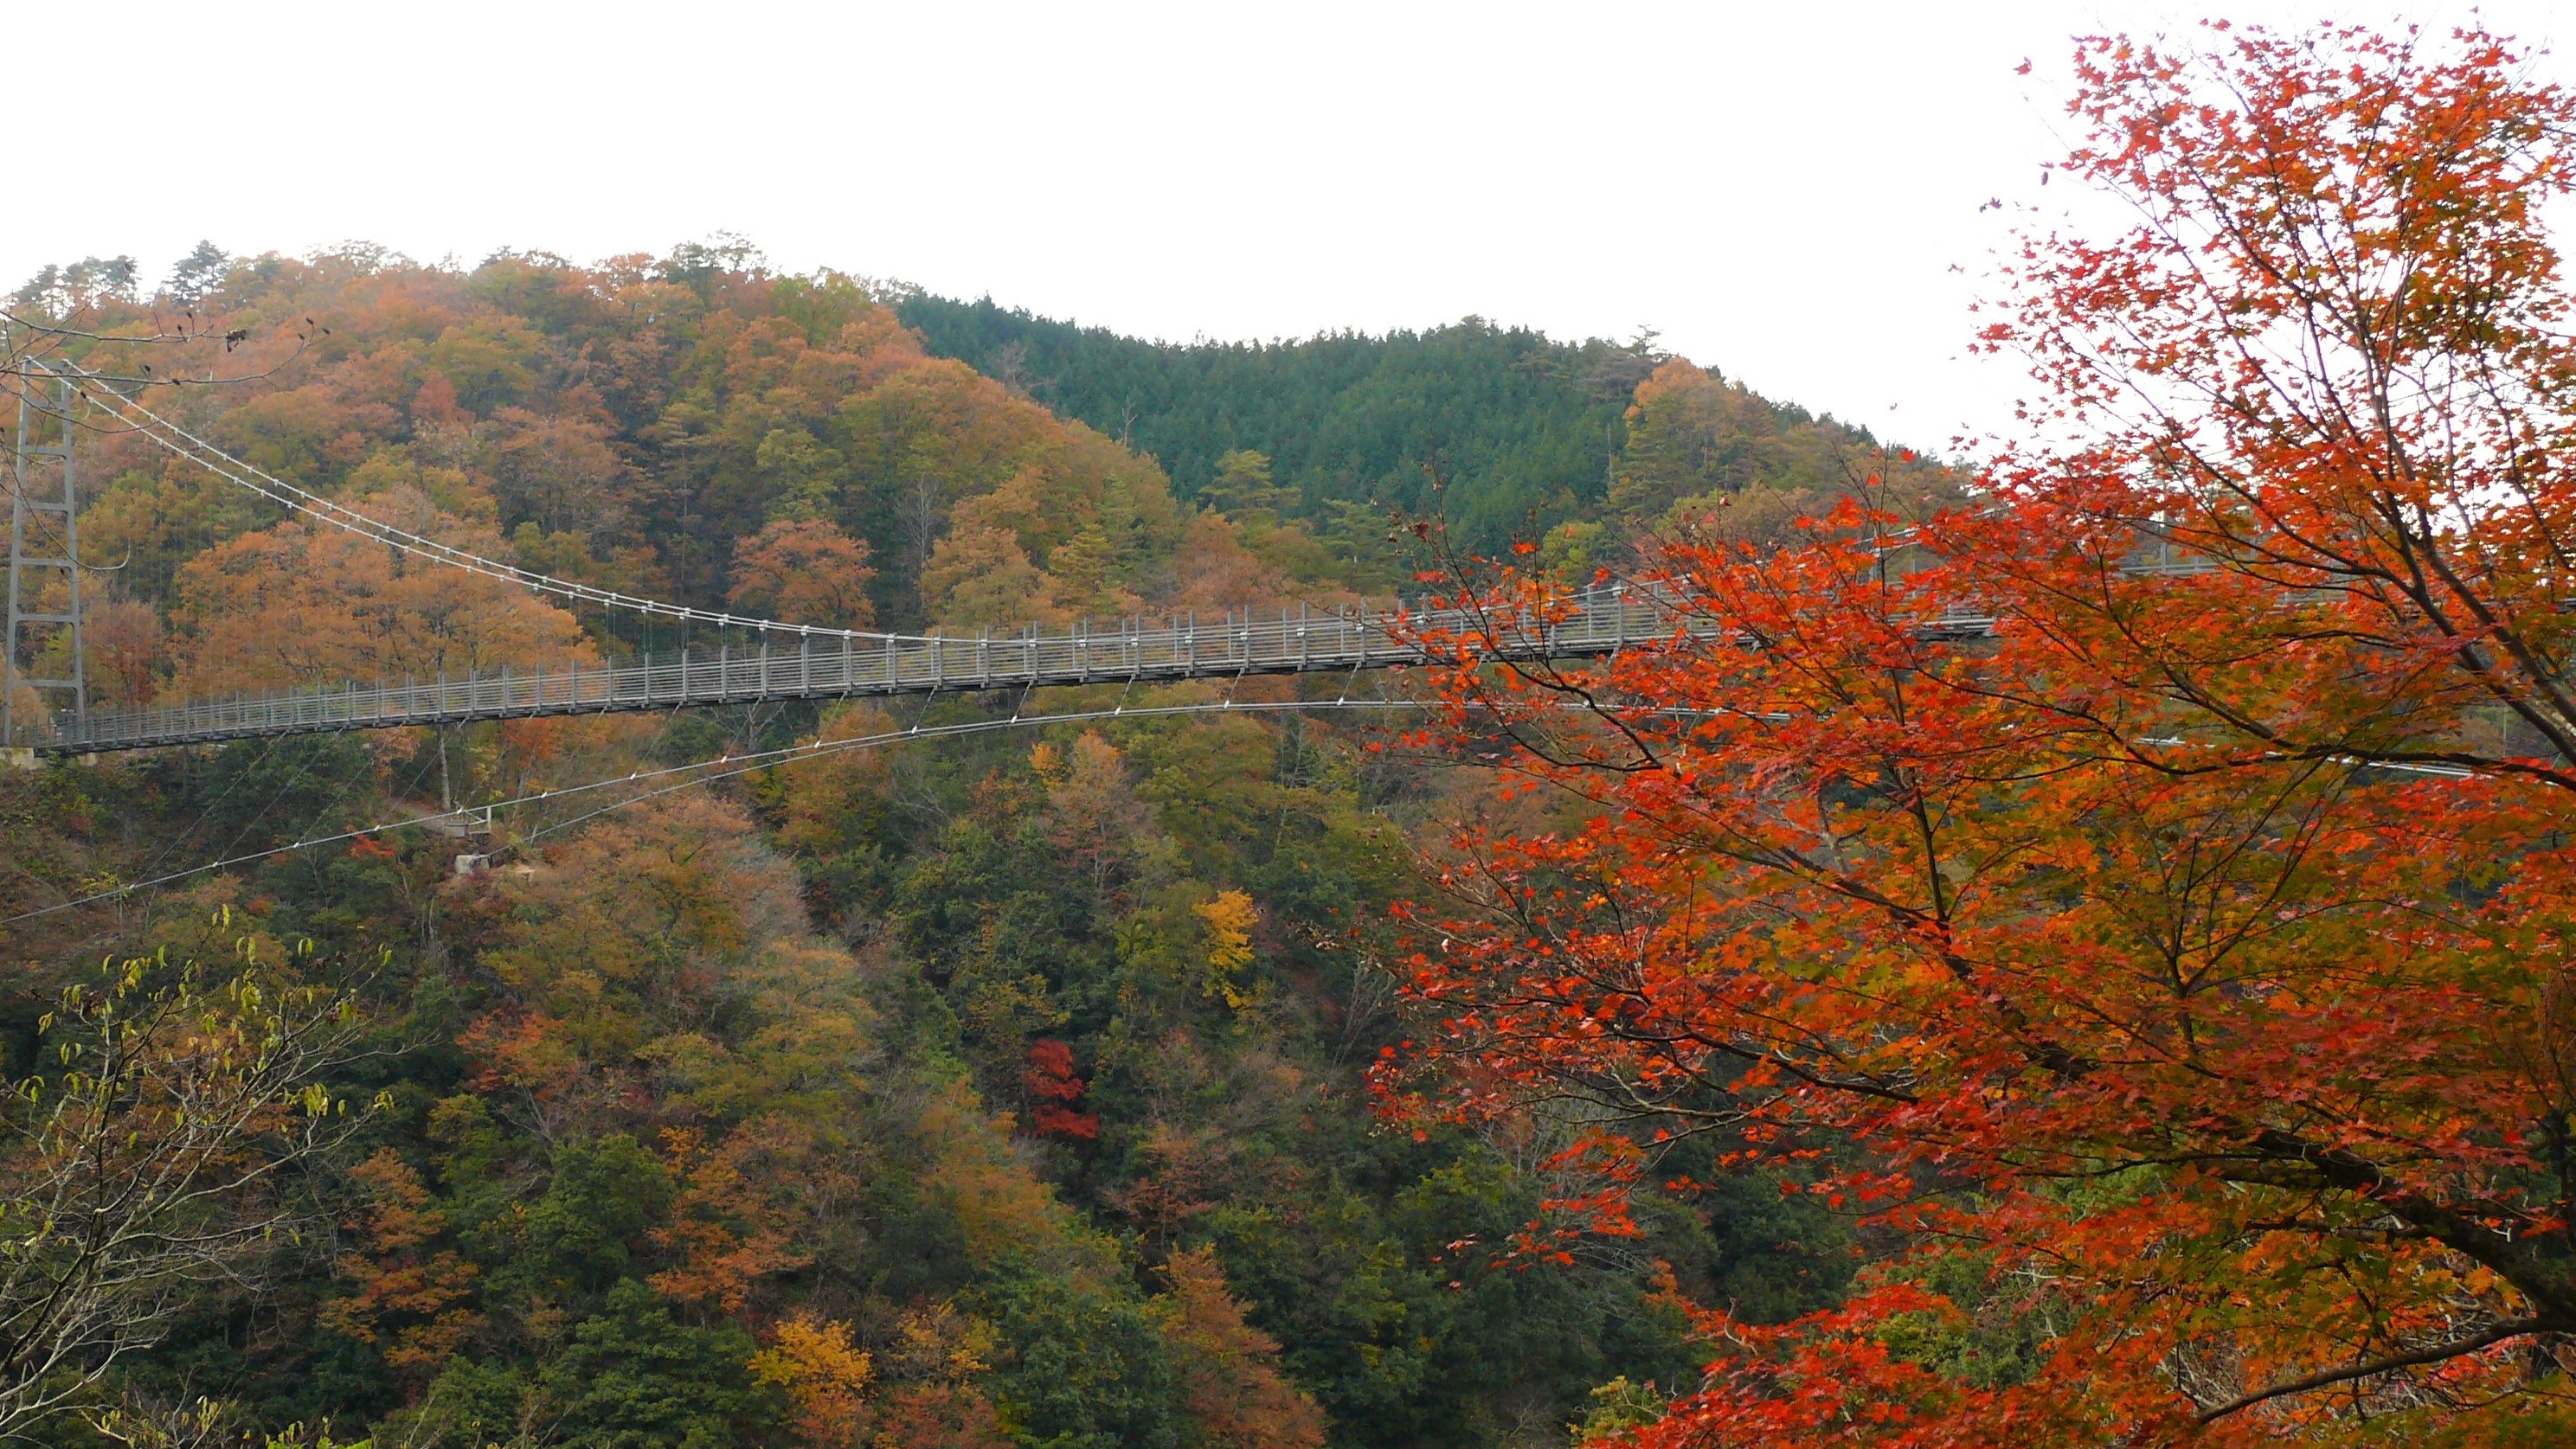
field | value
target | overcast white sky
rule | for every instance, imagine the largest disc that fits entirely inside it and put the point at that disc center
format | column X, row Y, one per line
column 1781, row 189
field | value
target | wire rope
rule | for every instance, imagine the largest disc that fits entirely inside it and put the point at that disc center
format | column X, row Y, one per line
column 729, row 766
column 739, row 765
column 177, row 440
column 171, row 846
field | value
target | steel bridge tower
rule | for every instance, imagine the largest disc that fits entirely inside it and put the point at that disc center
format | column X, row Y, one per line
column 44, row 543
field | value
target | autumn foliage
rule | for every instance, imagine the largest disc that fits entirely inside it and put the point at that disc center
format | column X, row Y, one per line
column 2072, row 955
column 2138, row 899
column 1054, row 1091
column 803, row 571
column 990, row 1088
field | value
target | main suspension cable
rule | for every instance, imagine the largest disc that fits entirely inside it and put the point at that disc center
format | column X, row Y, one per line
column 177, row 440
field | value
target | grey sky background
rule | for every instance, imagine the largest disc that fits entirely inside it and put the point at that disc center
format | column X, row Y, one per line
column 1788, row 192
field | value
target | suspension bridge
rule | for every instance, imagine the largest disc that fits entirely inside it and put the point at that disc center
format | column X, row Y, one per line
column 791, row 661
column 48, row 714
column 1298, row 641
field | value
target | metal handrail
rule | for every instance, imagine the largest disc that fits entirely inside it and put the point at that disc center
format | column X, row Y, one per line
column 1598, row 621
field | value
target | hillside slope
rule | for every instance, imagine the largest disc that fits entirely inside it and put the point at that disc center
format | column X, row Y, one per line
column 1527, row 432
column 1008, row 1090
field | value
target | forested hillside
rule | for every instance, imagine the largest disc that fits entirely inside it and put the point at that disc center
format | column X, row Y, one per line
column 1525, row 432
column 1007, row 1090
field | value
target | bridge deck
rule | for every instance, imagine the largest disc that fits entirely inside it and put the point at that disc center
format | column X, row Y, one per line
column 1290, row 643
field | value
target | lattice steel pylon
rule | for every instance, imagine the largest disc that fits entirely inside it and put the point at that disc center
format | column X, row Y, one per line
column 44, row 516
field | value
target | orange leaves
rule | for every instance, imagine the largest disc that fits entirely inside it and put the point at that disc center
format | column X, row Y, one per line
column 1093, row 815
column 2176, row 957
column 1814, row 1377
column 981, row 576
column 803, row 572
column 2338, row 230
column 127, row 648
column 1231, row 1384
column 414, row 1302
column 297, row 604
column 561, row 473
column 1187, row 1170
column 632, row 925
column 735, row 1218
column 526, row 1050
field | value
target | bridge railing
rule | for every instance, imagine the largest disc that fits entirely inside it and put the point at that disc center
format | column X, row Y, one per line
column 1290, row 641
column 1592, row 621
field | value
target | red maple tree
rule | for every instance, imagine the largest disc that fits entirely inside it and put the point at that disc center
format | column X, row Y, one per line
column 1053, row 1091
column 2149, row 891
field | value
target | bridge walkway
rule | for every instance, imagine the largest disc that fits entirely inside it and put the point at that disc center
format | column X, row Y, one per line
column 829, row 667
